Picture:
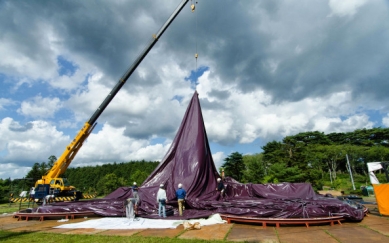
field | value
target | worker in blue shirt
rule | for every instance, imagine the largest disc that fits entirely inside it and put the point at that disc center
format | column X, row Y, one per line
column 181, row 195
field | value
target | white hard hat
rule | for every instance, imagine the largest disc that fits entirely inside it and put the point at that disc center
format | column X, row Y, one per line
column 179, row 185
column 161, row 185
column 218, row 179
column 134, row 183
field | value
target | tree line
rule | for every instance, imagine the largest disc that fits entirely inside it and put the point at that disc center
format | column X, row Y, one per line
column 100, row 180
column 314, row 157
column 103, row 179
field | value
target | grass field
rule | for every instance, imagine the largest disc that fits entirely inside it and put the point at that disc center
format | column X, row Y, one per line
column 31, row 237
column 7, row 208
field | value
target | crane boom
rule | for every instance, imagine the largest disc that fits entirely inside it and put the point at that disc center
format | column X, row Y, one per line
column 71, row 150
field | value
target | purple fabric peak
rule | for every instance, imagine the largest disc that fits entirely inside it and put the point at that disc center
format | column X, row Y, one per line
column 188, row 161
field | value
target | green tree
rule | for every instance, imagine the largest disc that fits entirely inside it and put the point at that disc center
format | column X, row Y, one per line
column 109, row 183
column 274, row 152
column 51, row 160
column 40, row 169
column 139, row 177
column 333, row 155
column 234, row 166
column 255, row 168
column 356, row 156
column 296, row 145
column 280, row 172
column 35, row 173
column 377, row 153
column 4, row 190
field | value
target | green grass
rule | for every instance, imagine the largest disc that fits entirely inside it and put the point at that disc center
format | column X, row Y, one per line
column 31, row 237
column 6, row 208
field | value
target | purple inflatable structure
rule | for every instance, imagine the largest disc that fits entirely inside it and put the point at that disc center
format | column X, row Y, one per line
column 189, row 161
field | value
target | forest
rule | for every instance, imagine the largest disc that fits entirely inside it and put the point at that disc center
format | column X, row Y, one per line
column 321, row 159
column 333, row 160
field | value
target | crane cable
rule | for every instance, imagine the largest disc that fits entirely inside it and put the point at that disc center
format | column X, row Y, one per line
column 193, row 8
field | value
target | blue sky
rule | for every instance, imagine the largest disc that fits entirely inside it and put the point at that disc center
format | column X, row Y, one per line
column 266, row 69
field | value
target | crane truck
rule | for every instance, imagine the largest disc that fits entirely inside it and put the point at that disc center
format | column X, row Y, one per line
column 51, row 182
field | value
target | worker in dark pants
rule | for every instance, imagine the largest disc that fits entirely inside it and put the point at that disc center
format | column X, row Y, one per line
column 135, row 195
column 220, row 188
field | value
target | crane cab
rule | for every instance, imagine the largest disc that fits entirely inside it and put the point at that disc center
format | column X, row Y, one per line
column 61, row 187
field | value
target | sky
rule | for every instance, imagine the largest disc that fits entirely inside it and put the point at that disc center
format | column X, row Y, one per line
column 265, row 70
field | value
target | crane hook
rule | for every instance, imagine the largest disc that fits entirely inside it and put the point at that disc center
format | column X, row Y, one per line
column 193, row 7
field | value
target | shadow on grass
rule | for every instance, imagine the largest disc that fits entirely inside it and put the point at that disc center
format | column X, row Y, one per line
column 7, row 235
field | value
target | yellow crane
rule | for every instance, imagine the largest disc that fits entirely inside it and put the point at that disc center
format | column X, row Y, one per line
column 52, row 180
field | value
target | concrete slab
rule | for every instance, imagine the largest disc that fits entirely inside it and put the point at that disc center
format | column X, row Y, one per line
column 304, row 235
column 171, row 233
column 374, row 220
column 58, row 231
column 208, row 232
column 383, row 229
column 84, row 231
column 357, row 235
column 373, row 228
column 252, row 233
column 121, row 232
column 13, row 224
column 290, row 229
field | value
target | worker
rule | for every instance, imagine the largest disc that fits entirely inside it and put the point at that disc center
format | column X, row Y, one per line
column 48, row 199
column 181, row 195
column 161, row 200
column 135, row 195
column 32, row 192
column 135, row 189
column 220, row 188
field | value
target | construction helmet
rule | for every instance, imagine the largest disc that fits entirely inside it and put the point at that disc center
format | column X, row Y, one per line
column 180, row 185
column 218, row 179
column 161, row 186
column 134, row 183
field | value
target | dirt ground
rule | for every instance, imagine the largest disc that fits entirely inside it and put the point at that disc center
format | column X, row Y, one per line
column 332, row 192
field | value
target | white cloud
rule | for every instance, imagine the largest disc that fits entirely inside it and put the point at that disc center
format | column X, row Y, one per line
column 5, row 102
column 13, row 171
column 218, row 159
column 385, row 120
column 251, row 115
column 135, row 103
column 345, row 7
column 40, row 107
column 29, row 143
column 109, row 145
